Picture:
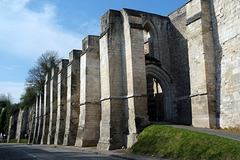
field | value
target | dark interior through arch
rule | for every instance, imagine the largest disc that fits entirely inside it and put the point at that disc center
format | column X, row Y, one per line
column 155, row 100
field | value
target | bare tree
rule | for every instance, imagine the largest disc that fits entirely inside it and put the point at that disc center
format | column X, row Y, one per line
column 44, row 64
column 36, row 77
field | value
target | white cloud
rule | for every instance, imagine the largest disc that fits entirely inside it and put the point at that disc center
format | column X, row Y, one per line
column 14, row 88
column 29, row 33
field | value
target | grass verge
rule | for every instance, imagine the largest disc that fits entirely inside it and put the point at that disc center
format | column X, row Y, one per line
column 12, row 140
column 176, row 143
column 24, row 141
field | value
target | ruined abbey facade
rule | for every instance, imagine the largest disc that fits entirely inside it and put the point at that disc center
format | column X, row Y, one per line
column 183, row 68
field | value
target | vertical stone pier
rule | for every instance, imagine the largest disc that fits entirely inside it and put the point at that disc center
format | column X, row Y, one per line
column 36, row 123
column 40, row 120
column 12, row 126
column 136, row 90
column 46, row 109
column 73, row 93
column 62, row 102
column 202, row 63
column 22, row 126
column 31, row 122
column 111, row 125
column 53, row 106
column 19, row 125
column 90, row 112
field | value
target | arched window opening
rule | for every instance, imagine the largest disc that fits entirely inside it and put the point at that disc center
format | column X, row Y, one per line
column 146, row 37
column 150, row 40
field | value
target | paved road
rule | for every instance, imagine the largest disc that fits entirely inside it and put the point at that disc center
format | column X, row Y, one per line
column 43, row 152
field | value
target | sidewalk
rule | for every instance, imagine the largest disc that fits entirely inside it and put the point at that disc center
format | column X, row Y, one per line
column 225, row 134
column 113, row 153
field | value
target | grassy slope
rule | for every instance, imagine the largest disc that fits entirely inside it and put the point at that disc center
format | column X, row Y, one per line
column 169, row 142
column 21, row 141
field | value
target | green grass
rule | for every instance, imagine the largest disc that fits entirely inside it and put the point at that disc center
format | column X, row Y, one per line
column 12, row 140
column 15, row 141
column 24, row 141
column 175, row 143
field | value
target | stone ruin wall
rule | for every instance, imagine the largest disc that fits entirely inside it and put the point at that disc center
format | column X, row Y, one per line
column 226, row 34
column 99, row 97
column 178, row 47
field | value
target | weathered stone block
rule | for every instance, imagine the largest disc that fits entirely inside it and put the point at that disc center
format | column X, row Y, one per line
column 73, row 95
column 62, row 102
column 90, row 113
column 53, row 105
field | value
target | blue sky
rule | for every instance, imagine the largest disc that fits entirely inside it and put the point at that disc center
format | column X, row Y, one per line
column 30, row 27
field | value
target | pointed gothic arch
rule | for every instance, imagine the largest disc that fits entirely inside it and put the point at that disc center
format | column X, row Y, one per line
column 150, row 39
column 165, row 82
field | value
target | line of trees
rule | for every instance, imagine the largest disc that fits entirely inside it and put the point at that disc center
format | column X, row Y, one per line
column 34, row 86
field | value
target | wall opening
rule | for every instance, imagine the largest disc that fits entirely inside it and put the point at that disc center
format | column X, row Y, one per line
column 155, row 100
column 160, row 94
column 150, row 38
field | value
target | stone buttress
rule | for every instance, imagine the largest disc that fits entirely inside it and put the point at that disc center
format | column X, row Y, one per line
column 90, row 111
column 12, row 126
column 123, row 80
column 62, row 102
column 31, row 123
column 73, row 93
column 46, row 109
column 112, row 111
column 202, row 64
column 40, row 120
column 36, row 123
column 53, row 106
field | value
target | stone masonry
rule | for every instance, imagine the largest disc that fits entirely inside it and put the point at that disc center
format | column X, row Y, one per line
column 182, row 68
column 46, row 109
column 61, row 102
column 72, row 112
column 89, row 118
column 53, row 106
column 31, row 123
column 40, row 120
column 36, row 122
column 12, row 126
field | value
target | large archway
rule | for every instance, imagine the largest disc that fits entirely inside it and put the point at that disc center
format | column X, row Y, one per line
column 155, row 99
column 160, row 94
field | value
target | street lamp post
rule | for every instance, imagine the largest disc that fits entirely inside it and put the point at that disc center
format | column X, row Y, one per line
column 4, row 135
column 25, row 136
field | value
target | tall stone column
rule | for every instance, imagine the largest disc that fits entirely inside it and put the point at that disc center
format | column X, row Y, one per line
column 111, row 125
column 136, row 89
column 90, row 113
column 22, row 126
column 46, row 109
column 53, row 106
column 73, row 93
column 62, row 102
column 40, row 120
column 19, row 125
column 31, row 122
column 12, row 126
column 202, row 63
column 10, row 133
column 36, row 120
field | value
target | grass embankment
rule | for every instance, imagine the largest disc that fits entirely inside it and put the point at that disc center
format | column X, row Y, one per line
column 175, row 143
column 15, row 141
column 12, row 140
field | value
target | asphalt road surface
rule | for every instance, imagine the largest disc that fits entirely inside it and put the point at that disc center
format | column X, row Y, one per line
column 41, row 152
